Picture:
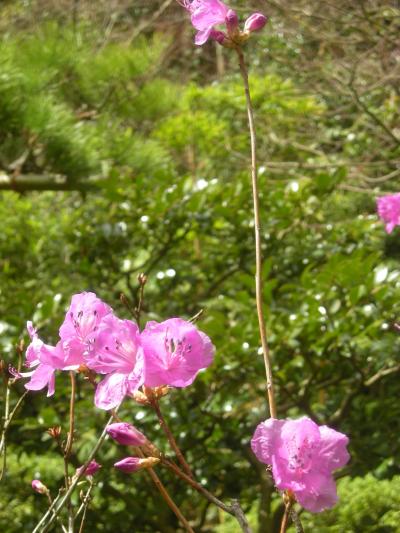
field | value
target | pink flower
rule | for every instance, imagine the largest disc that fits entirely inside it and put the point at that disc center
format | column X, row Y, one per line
column 47, row 359
column 38, row 487
column 389, row 210
column 116, row 352
column 90, row 470
column 303, row 457
column 205, row 14
column 255, row 22
column 174, row 351
column 133, row 464
column 126, row 434
column 82, row 322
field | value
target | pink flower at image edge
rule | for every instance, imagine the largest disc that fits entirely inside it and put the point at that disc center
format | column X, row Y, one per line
column 388, row 208
column 303, row 457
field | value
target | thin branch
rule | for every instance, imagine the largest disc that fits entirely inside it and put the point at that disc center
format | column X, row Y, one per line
column 161, row 488
column 234, row 510
column 48, row 518
column 170, row 437
column 8, row 417
column 257, row 234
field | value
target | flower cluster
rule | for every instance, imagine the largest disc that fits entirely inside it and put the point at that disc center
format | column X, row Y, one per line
column 170, row 353
column 303, row 457
column 206, row 14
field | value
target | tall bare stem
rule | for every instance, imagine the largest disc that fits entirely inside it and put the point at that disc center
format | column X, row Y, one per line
column 257, row 234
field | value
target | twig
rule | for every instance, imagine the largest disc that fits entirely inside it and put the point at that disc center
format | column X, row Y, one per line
column 234, row 510
column 285, row 518
column 257, row 232
column 84, row 506
column 58, row 518
column 47, row 520
column 170, row 437
column 161, row 488
column 138, row 30
column 68, row 448
column 6, row 424
column 296, row 520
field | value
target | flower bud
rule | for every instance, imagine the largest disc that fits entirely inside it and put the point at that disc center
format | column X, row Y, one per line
column 218, row 36
column 133, row 464
column 38, row 487
column 90, row 470
column 126, row 434
column 255, row 22
column 231, row 21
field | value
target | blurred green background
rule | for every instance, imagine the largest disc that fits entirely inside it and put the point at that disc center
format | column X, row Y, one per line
column 124, row 148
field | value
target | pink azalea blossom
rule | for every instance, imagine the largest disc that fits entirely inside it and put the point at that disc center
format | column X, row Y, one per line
column 205, row 14
column 389, row 210
column 303, row 457
column 90, row 470
column 126, row 434
column 81, row 323
column 38, row 487
column 46, row 359
column 175, row 351
column 116, row 352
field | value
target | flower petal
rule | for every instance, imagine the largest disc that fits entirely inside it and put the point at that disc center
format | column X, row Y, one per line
column 319, row 493
column 111, row 391
column 42, row 376
column 266, row 438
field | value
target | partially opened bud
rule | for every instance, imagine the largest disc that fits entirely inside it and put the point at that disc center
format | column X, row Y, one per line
column 218, row 36
column 231, row 21
column 255, row 22
column 126, row 434
column 90, row 470
column 38, row 487
column 133, row 464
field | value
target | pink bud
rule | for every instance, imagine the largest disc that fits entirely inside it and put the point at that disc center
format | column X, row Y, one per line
column 231, row 21
column 255, row 22
column 38, row 487
column 126, row 434
column 90, row 470
column 218, row 36
column 132, row 464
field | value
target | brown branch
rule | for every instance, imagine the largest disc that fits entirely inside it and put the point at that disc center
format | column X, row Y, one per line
column 170, row 437
column 257, row 235
column 234, row 509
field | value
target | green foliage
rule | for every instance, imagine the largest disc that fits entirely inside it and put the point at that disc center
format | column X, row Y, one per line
column 366, row 504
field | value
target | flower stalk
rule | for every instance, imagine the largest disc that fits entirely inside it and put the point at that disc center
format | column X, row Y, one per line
column 257, row 236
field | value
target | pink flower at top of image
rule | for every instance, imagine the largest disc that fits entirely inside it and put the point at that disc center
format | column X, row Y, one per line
column 90, row 470
column 207, row 14
column 389, row 210
column 46, row 360
column 126, row 434
column 174, row 353
column 303, row 457
column 117, row 353
column 82, row 323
